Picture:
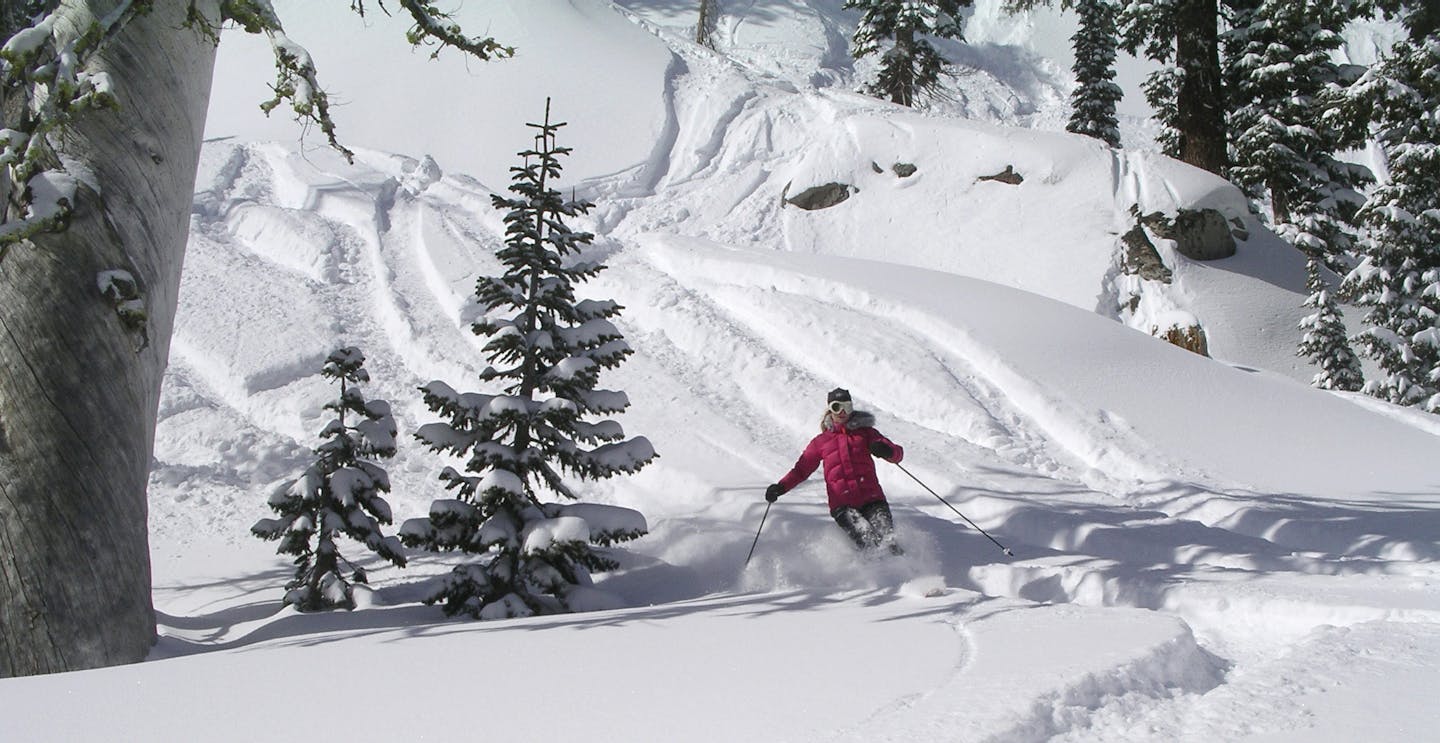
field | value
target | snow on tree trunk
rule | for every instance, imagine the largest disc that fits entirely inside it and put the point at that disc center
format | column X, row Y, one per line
column 81, row 381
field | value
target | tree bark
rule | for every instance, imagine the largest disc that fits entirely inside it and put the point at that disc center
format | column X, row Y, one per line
column 903, row 91
column 1279, row 203
column 79, row 390
column 702, row 28
column 1200, row 108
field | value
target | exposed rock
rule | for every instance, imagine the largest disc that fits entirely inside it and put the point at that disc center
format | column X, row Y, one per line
column 1238, row 230
column 1008, row 175
column 904, row 170
column 1141, row 258
column 1203, row 235
column 876, row 167
column 822, row 197
column 1191, row 338
column 1199, row 234
column 1156, row 222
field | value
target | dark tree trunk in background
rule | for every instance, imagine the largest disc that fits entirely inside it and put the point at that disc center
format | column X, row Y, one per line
column 903, row 91
column 1200, row 114
column 78, row 388
column 706, row 23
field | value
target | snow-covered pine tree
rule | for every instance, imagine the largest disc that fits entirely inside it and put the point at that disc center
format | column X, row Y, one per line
column 1095, row 96
column 1286, row 87
column 1398, row 278
column 910, row 66
column 338, row 495
column 547, row 351
column 1286, row 130
column 1324, row 339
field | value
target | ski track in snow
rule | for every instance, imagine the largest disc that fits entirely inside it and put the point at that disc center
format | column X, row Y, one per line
column 698, row 321
column 1206, row 606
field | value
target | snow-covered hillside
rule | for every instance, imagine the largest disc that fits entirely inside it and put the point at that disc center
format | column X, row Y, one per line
column 1205, row 549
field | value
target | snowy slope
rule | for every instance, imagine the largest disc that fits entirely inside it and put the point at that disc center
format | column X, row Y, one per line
column 1206, row 549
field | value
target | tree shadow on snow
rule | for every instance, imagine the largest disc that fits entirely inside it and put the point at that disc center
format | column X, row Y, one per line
column 1114, row 554
column 1071, row 545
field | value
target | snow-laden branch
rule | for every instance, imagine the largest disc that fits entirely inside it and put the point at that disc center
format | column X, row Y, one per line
column 48, row 66
column 434, row 27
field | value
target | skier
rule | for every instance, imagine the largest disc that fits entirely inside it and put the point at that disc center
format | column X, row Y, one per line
column 847, row 440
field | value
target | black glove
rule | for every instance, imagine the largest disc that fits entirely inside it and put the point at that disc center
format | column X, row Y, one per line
column 881, row 449
column 773, row 493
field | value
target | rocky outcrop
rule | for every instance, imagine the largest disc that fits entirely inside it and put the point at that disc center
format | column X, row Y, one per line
column 1141, row 258
column 1203, row 235
column 1199, row 234
column 821, row 197
column 1008, row 175
column 1191, row 338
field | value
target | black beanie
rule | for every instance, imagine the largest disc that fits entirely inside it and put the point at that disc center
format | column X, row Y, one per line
column 839, row 394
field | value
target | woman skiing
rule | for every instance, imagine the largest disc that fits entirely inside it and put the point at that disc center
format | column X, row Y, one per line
column 847, row 440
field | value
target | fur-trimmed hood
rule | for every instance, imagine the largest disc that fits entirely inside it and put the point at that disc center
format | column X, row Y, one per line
column 858, row 419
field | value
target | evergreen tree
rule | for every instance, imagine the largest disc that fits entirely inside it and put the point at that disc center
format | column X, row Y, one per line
column 338, row 494
column 547, row 351
column 1286, row 131
column 1324, row 340
column 911, row 66
column 1287, row 88
column 1398, row 278
column 1186, row 93
column 1096, row 94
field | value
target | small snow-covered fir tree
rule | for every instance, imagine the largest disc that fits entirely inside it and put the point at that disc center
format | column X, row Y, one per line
column 897, row 29
column 1095, row 96
column 546, row 352
column 1323, row 336
column 1398, row 279
column 340, row 494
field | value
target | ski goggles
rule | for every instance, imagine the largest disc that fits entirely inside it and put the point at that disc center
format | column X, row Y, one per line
column 841, row 406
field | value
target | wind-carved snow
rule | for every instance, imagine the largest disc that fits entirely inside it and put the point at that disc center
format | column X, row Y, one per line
column 1205, row 550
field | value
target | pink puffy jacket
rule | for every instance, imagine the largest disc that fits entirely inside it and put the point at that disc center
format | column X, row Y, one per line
column 849, row 469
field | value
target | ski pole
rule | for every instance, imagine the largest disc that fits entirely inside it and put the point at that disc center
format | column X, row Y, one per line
column 757, row 534
column 1002, row 547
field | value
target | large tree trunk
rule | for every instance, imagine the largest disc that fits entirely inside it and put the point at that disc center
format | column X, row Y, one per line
column 79, row 389
column 1200, row 108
